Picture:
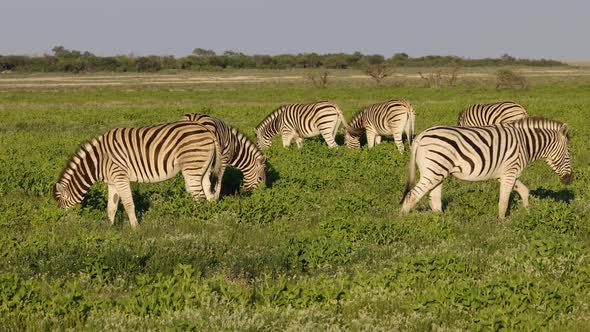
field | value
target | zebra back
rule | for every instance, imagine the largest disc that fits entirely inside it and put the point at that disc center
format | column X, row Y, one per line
column 237, row 150
column 494, row 113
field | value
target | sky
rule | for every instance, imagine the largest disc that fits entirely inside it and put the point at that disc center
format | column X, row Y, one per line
column 472, row 29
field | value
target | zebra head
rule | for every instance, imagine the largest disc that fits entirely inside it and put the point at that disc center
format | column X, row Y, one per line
column 262, row 140
column 558, row 156
column 352, row 137
column 256, row 176
column 64, row 195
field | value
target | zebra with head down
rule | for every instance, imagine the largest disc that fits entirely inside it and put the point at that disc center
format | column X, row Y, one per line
column 480, row 153
column 237, row 150
column 391, row 118
column 298, row 121
column 146, row 154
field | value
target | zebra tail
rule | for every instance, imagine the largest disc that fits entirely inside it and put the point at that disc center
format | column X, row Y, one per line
column 347, row 127
column 411, row 128
column 412, row 173
column 217, row 168
column 344, row 123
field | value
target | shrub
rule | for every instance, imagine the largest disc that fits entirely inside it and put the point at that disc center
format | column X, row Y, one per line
column 319, row 77
column 508, row 79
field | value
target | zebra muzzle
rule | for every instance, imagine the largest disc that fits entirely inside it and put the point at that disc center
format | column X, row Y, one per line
column 566, row 179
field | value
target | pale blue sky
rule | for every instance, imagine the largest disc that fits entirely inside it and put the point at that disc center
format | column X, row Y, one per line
column 522, row 28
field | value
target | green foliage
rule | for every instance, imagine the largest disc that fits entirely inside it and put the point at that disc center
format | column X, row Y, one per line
column 64, row 60
column 323, row 247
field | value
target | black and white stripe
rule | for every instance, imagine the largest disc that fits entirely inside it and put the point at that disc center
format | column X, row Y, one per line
column 147, row 154
column 390, row 118
column 237, row 150
column 489, row 114
column 297, row 121
column 480, row 153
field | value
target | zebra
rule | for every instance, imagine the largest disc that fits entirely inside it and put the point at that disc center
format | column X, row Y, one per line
column 237, row 150
column 499, row 151
column 146, row 154
column 393, row 117
column 299, row 121
column 488, row 114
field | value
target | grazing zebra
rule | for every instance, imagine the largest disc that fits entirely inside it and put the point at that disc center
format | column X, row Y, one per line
column 301, row 120
column 392, row 118
column 488, row 114
column 147, row 154
column 237, row 149
column 480, row 153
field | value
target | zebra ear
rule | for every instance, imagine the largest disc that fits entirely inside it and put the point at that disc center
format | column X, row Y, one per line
column 59, row 188
column 564, row 129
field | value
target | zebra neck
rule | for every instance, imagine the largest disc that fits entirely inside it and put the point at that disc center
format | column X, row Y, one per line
column 271, row 125
column 83, row 170
column 357, row 121
column 242, row 155
column 538, row 145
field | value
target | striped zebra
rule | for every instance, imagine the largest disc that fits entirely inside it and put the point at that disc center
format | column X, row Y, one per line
column 392, row 118
column 480, row 153
column 488, row 114
column 237, row 150
column 147, row 154
column 297, row 121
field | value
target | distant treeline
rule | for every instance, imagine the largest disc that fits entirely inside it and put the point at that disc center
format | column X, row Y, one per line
column 64, row 60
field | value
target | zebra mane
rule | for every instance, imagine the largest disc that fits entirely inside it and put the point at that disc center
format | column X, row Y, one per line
column 538, row 122
column 243, row 138
column 272, row 116
column 542, row 123
column 81, row 153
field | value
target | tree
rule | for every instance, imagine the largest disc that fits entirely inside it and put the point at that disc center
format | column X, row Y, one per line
column 378, row 71
column 203, row 52
column 232, row 53
column 507, row 58
column 401, row 57
column 63, row 53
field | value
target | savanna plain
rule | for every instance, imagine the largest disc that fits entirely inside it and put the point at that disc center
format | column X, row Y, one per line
column 323, row 247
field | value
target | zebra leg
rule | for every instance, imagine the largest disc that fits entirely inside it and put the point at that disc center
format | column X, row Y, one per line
column 299, row 142
column 370, row 139
column 523, row 191
column 377, row 139
column 424, row 186
column 196, row 184
column 124, row 190
column 435, row 201
column 329, row 136
column 112, row 203
column 287, row 137
column 506, row 186
column 397, row 138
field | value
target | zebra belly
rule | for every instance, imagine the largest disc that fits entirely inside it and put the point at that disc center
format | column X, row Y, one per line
column 149, row 178
column 475, row 175
column 309, row 133
column 472, row 177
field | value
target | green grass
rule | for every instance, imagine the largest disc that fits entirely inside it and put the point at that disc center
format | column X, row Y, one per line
column 322, row 248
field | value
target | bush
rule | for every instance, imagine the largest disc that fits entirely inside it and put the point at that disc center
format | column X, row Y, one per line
column 508, row 79
column 318, row 77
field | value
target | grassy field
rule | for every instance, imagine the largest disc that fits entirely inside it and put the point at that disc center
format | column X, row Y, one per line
column 323, row 248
